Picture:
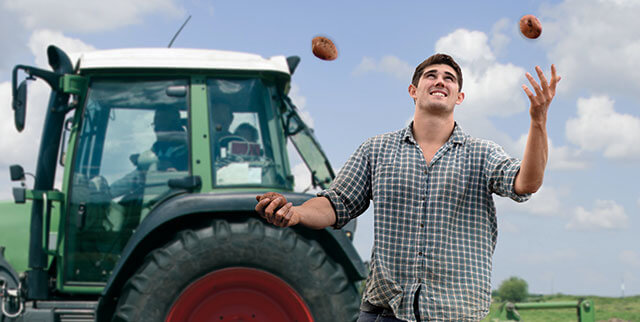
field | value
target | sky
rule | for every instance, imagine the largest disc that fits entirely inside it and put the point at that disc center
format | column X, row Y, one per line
column 577, row 235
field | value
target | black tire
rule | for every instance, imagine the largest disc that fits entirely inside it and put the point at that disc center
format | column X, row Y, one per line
column 303, row 264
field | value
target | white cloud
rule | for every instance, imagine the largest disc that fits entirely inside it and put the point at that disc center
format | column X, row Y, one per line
column 594, row 44
column 469, row 46
column 491, row 88
column 499, row 39
column 41, row 39
column 494, row 90
column 300, row 102
column 607, row 214
column 367, row 64
column 88, row 16
column 599, row 127
column 545, row 202
column 565, row 158
column 630, row 258
column 560, row 158
column 302, row 179
column 12, row 37
column 22, row 148
column 390, row 65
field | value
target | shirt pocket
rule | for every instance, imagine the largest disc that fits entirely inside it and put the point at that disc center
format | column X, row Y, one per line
column 396, row 183
column 449, row 184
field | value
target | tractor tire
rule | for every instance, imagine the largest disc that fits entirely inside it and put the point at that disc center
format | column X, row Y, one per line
column 239, row 271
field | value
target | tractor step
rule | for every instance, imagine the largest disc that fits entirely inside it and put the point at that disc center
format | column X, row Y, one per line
column 54, row 311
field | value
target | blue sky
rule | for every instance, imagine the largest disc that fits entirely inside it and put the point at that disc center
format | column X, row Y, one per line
column 578, row 235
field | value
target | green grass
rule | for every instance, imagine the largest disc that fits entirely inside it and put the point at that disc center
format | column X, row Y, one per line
column 14, row 233
column 606, row 308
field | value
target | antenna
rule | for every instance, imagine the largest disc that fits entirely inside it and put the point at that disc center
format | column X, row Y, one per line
column 179, row 30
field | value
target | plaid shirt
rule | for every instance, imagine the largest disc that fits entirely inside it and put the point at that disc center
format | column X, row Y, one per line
column 435, row 224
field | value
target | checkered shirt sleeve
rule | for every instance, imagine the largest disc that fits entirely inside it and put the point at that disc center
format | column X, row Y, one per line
column 501, row 171
column 350, row 191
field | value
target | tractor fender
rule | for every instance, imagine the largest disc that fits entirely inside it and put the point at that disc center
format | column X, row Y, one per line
column 159, row 225
column 8, row 275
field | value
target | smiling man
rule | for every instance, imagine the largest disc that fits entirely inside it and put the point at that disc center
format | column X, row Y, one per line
column 432, row 186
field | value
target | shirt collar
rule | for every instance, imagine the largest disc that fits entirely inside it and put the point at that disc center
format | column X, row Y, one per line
column 457, row 137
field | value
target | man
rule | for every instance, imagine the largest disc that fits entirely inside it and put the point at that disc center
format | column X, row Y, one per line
column 432, row 186
column 171, row 146
column 222, row 119
column 169, row 152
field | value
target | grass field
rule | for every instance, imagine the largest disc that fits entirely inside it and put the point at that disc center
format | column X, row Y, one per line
column 14, row 232
column 606, row 309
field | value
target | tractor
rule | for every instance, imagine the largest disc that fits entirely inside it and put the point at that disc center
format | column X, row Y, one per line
column 162, row 153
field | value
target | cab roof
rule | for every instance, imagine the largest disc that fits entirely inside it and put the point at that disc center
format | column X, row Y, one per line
column 179, row 58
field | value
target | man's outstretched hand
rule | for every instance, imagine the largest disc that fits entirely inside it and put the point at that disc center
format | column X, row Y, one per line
column 544, row 93
column 275, row 209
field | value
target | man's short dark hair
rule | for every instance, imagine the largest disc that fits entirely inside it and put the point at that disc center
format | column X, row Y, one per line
column 436, row 59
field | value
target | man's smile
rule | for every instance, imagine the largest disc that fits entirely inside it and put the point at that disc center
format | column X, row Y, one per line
column 440, row 93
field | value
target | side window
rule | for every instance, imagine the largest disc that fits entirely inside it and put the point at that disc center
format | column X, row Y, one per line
column 244, row 150
column 134, row 138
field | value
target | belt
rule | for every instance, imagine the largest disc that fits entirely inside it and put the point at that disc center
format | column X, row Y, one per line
column 370, row 308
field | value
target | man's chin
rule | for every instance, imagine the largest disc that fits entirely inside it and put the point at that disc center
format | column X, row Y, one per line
column 438, row 108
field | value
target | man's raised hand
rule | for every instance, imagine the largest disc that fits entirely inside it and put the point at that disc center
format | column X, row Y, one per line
column 544, row 93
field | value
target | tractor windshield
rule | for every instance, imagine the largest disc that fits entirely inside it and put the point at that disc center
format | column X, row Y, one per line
column 244, row 130
column 132, row 141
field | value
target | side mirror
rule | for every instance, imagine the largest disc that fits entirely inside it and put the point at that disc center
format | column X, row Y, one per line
column 17, row 172
column 292, row 62
column 20, row 105
column 19, row 195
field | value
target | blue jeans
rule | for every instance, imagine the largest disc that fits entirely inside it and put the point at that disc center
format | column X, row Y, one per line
column 373, row 317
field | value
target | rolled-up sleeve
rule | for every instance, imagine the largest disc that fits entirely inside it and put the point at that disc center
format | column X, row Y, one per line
column 501, row 171
column 350, row 191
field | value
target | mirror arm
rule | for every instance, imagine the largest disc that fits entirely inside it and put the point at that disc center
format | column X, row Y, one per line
column 289, row 114
column 51, row 78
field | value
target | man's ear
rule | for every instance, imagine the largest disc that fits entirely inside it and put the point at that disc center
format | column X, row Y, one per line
column 460, row 98
column 412, row 91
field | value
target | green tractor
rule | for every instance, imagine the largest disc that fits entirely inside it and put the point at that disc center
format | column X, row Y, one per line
column 164, row 151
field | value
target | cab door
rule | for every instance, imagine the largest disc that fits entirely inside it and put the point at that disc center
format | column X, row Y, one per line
column 133, row 139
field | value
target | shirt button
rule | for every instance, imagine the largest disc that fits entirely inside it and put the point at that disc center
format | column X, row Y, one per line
column 421, row 225
column 420, row 253
column 426, row 171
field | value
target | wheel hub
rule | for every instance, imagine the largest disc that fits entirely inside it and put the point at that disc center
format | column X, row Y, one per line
column 239, row 294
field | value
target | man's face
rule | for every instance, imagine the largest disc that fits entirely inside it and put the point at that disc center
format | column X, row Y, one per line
column 437, row 89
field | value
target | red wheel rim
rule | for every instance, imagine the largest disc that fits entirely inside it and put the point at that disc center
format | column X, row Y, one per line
column 239, row 294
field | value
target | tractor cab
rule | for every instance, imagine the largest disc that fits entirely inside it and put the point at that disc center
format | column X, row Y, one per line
column 137, row 146
column 157, row 144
